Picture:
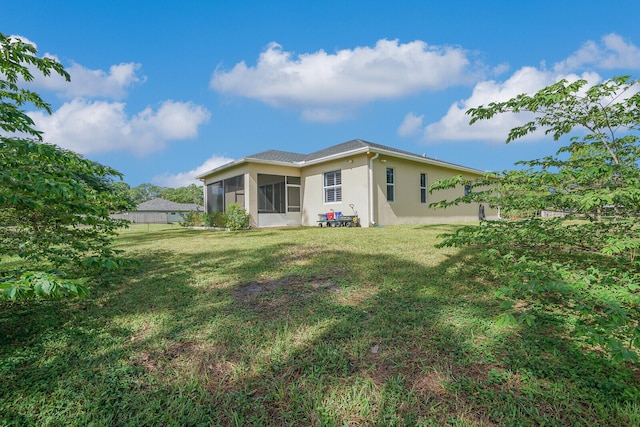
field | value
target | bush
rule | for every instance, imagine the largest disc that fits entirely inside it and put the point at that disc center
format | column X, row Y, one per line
column 192, row 219
column 216, row 219
column 237, row 217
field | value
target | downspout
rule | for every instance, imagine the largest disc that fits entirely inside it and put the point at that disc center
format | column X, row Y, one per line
column 204, row 190
column 372, row 218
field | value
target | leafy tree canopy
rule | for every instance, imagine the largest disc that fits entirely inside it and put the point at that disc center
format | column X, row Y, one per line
column 189, row 194
column 592, row 187
column 144, row 192
column 54, row 204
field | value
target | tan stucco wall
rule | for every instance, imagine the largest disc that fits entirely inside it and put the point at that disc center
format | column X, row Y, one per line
column 355, row 191
column 252, row 187
column 407, row 207
column 227, row 173
column 250, row 172
column 242, row 169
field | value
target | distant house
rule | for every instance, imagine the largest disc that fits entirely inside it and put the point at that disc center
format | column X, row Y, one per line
column 159, row 211
column 384, row 185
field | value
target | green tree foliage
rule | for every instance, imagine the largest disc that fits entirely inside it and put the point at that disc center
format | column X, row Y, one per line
column 593, row 181
column 237, row 217
column 144, row 192
column 54, row 204
column 189, row 194
column 16, row 60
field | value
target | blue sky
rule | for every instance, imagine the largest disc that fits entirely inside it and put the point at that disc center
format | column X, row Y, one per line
column 162, row 91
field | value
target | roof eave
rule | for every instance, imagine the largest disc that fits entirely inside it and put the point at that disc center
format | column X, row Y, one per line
column 360, row 150
column 391, row 153
column 246, row 160
column 335, row 156
column 202, row 176
column 427, row 160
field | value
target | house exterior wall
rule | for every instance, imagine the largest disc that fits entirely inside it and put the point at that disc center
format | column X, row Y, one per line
column 407, row 207
column 355, row 190
column 228, row 174
column 251, row 185
column 250, row 172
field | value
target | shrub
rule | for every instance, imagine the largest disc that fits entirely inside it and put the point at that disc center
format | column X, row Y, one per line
column 237, row 217
column 216, row 219
column 192, row 219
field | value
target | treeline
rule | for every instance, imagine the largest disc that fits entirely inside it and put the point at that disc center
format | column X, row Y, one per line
column 144, row 192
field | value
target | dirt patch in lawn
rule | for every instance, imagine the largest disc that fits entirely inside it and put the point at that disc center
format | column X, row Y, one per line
column 283, row 291
column 190, row 359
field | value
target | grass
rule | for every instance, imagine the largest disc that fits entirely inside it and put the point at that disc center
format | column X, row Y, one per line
column 308, row 326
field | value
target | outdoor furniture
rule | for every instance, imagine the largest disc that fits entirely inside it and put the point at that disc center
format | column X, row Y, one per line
column 336, row 219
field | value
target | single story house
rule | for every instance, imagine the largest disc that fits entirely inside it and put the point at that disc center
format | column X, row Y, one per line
column 383, row 185
column 159, row 211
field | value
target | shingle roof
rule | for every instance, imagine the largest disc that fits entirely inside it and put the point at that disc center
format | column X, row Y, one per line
column 165, row 205
column 296, row 159
column 345, row 147
column 355, row 145
column 337, row 149
column 278, row 156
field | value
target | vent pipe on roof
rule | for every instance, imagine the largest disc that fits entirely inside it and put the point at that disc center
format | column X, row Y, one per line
column 372, row 218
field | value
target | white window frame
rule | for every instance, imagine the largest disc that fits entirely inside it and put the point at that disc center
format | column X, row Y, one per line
column 424, row 193
column 391, row 184
column 332, row 187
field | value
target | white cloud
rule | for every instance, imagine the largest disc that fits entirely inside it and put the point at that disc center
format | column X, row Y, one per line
column 183, row 179
column 86, row 82
column 87, row 125
column 411, row 125
column 500, row 69
column 98, row 126
column 348, row 77
column 173, row 120
column 455, row 124
column 613, row 52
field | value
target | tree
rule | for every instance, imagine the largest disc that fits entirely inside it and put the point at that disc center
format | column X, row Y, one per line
column 594, row 183
column 144, row 192
column 14, row 61
column 54, row 204
column 189, row 194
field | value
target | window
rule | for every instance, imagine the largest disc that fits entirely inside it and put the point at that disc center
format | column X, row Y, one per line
column 423, row 188
column 294, row 203
column 221, row 194
column 391, row 183
column 234, row 191
column 467, row 189
column 271, row 198
column 333, row 187
column 215, row 197
column 293, row 180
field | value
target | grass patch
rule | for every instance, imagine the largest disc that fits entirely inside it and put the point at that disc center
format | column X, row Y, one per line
column 308, row 326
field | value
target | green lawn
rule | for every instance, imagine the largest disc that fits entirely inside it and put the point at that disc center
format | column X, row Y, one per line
column 309, row 326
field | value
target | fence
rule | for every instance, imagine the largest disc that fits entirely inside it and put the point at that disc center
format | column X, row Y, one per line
column 143, row 218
